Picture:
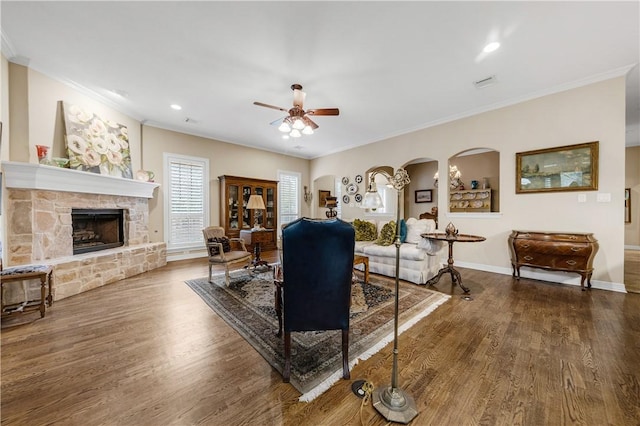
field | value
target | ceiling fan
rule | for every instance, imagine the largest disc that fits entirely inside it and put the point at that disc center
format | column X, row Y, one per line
column 298, row 122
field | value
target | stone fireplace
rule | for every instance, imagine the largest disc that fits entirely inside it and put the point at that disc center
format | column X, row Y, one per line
column 41, row 201
column 96, row 229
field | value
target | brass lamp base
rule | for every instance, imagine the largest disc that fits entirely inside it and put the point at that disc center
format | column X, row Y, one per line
column 394, row 404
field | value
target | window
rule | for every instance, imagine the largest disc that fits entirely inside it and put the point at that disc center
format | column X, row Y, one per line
column 187, row 200
column 288, row 197
column 337, row 189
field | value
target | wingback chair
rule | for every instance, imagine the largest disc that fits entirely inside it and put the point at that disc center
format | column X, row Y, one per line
column 317, row 269
column 221, row 250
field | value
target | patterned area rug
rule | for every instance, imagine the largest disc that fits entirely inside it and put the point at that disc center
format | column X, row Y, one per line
column 247, row 305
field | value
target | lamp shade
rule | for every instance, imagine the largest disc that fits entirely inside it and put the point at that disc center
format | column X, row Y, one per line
column 256, row 202
column 372, row 198
column 331, row 203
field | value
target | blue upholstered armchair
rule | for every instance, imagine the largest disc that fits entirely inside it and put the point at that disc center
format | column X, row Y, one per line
column 317, row 265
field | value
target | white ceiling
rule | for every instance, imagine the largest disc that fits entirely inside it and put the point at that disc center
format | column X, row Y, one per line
column 391, row 67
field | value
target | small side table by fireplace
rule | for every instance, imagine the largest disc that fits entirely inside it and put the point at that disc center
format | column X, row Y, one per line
column 255, row 237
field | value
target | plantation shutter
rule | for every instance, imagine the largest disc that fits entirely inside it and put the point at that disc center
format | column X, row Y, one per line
column 289, row 198
column 187, row 201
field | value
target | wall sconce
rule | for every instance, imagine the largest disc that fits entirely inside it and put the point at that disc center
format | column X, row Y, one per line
column 308, row 196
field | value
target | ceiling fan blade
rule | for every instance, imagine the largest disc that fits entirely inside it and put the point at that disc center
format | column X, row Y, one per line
column 309, row 122
column 324, row 111
column 270, row 106
column 278, row 121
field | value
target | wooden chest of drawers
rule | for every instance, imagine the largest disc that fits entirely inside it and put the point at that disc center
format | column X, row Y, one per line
column 554, row 251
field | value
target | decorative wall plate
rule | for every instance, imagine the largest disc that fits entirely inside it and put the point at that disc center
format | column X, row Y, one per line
column 345, row 180
column 346, row 199
column 358, row 178
column 358, row 198
column 352, row 188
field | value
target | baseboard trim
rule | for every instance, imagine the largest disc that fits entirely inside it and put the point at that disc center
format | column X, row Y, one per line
column 184, row 255
column 549, row 276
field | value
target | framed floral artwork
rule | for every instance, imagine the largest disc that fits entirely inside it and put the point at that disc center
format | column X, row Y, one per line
column 94, row 144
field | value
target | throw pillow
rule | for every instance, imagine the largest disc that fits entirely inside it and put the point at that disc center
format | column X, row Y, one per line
column 416, row 227
column 387, row 234
column 214, row 249
column 365, row 231
column 403, row 231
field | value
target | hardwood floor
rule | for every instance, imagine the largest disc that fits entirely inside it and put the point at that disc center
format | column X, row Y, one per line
column 632, row 270
column 148, row 351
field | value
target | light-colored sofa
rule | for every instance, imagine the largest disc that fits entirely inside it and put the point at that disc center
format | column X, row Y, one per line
column 420, row 259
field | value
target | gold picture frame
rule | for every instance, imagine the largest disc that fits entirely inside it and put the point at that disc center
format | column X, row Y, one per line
column 322, row 197
column 564, row 168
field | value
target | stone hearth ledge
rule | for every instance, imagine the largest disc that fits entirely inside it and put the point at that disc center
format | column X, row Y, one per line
column 76, row 274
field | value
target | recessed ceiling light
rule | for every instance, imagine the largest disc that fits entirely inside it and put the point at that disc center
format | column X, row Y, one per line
column 491, row 47
column 176, row 107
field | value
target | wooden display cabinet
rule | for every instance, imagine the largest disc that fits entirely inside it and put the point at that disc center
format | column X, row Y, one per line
column 470, row 200
column 234, row 196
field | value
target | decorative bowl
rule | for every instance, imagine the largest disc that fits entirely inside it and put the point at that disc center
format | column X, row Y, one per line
column 60, row 162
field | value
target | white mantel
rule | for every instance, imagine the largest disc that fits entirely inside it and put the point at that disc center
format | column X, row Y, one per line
column 37, row 176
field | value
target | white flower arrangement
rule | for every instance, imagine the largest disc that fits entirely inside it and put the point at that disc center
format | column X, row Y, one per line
column 96, row 145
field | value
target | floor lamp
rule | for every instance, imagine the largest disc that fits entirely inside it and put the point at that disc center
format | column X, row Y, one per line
column 392, row 402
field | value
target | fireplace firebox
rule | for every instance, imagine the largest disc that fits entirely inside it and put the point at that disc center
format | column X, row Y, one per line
column 97, row 229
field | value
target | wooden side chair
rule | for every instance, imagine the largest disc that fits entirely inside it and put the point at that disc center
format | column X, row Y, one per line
column 317, row 263
column 22, row 274
column 433, row 215
column 223, row 250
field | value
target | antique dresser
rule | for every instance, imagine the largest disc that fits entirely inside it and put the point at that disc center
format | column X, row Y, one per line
column 554, row 251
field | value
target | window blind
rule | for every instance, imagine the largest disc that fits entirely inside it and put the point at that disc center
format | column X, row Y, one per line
column 289, row 197
column 187, row 201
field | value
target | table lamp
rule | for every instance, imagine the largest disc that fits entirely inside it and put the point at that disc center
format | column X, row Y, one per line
column 256, row 203
column 331, row 204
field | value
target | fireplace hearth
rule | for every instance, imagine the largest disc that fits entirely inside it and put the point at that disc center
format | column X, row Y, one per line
column 97, row 229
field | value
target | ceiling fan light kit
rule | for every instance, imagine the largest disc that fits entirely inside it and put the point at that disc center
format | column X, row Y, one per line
column 298, row 122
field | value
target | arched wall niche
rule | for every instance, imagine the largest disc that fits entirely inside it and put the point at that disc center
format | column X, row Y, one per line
column 322, row 183
column 481, row 165
column 421, row 172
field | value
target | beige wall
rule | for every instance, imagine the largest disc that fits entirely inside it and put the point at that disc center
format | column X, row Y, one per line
column 632, row 180
column 594, row 112
column 46, row 121
column 4, row 107
column 224, row 159
column 589, row 113
column 39, row 121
